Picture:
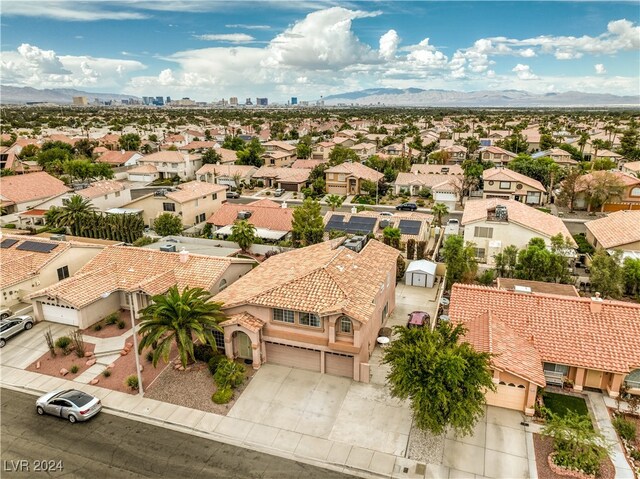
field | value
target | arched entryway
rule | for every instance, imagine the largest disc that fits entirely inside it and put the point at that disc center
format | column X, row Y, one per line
column 242, row 343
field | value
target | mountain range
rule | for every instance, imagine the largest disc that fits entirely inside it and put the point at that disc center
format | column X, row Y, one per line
column 486, row 98
column 21, row 95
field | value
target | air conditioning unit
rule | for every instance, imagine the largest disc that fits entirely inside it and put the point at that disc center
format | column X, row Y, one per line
column 168, row 248
column 58, row 238
column 243, row 215
column 385, row 223
column 501, row 212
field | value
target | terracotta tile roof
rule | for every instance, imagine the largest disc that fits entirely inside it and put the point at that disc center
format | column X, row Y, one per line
column 437, row 169
column 34, row 186
column 518, row 213
column 246, row 320
column 496, row 150
column 363, row 146
column 307, row 164
column 505, row 174
column 124, row 268
column 142, row 169
column 101, row 188
column 512, row 352
column 326, row 144
column 321, row 278
column 358, row 170
column 62, row 138
column 285, row 175
column 428, row 180
column 198, row 145
column 164, row 157
column 276, row 154
column 116, row 157
column 227, row 170
column 584, row 182
column 633, row 166
column 282, row 145
column 616, row 229
column 563, row 329
column 194, row 190
column 228, row 156
column 539, row 286
column 263, row 215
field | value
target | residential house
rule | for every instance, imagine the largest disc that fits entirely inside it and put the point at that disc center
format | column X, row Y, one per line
column 198, row 146
column 143, row 174
column 493, row 224
column 21, row 192
column 9, row 160
column 610, row 155
column 508, row 184
column 229, row 174
column 632, row 168
column 538, row 339
column 498, row 156
column 30, row 263
column 412, row 225
column 400, row 149
column 174, row 140
column 346, row 178
column 619, row 230
column 526, row 286
column 364, row 150
column 307, row 164
column 118, row 158
column 103, row 195
column 227, row 156
column 279, row 153
column 194, row 202
column 322, row 150
column 448, row 191
column 317, row 308
column 560, row 156
column 289, row 179
column 172, row 163
column 110, row 141
column 426, row 169
column 413, row 183
column 124, row 277
column 629, row 199
column 344, row 141
column 272, row 221
column 454, row 155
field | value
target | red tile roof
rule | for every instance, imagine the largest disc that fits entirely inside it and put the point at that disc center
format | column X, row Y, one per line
column 34, row 186
column 616, row 229
column 263, row 215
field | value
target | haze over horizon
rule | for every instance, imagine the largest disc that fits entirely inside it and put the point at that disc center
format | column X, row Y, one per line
column 211, row 50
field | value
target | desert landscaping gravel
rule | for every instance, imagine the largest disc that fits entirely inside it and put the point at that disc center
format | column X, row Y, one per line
column 425, row 446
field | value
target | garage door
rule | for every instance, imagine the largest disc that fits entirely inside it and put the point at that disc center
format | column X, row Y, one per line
column 419, row 279
column 58, row 314
column 510, row 397
column 336, row 190
column 289, row 186
column 293, row 356
column 338, row 364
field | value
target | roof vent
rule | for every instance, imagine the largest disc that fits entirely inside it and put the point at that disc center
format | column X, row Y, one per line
column 522, row 289
column 168, row 248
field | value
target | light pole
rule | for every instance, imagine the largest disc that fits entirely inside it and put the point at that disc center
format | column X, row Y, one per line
column 135, row 344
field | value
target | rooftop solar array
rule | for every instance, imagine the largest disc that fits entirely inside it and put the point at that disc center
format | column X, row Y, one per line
column 356, row 224
column 37, row 247
column 409, row 227
column 8, row 243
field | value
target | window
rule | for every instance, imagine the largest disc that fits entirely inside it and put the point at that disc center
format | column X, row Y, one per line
column 168, row 206
column 309, row 319
column 222, row 285
column 533, row 197
column 505, row 185
column 219, row 337
column 174, row 166
column 200, row 218
column 63, row 273
column 284, row 316
column 483, row 232
column 341, row 176
column 556, row 368
column 117, row 194
column 479, row 252
column 214, row 196
column 633, row 379
column 635, row 192
column 345, row 325
column 164, row 164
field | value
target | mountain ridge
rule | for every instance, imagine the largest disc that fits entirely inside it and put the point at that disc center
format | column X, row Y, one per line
column 21, row 95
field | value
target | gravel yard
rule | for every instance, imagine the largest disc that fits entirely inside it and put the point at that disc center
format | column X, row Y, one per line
column 425, row 447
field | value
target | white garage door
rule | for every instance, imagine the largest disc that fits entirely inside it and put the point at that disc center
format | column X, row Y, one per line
column 58, row 314
column 338, row 364
column 336, row 190
column 293, row 356
column 510, row 397
column 419, row 279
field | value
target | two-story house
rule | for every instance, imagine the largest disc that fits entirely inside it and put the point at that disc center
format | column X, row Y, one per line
column 117, row 158
column 628, row 199
column 364, row 150
column 289, row 179
column 616, row 231
column 347, row 178
column 322, row 150
column 169, row 164
column 317, row 308
column 279, row 153
column 230, row 175
column 452, row 155
column 558, row 155
column 508, row 184
column 498, row 156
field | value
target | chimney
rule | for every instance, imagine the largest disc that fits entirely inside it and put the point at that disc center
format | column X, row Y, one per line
column 596, row 304
column 184, row 256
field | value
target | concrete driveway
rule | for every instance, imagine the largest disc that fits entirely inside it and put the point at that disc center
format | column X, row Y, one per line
column 27, row 346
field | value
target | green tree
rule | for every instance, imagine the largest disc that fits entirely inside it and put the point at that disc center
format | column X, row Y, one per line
column 340, row 154
column 439, row 210
column 575, row 153
column 334, row 201
column 167, row 224
column 391, row 236
column 252, row 154
column 604, row 164
column 602, row 187
column 606, row 273
column 129, row 142
column 516, row 143
column 303, row 148
column 460, row 260
column 506, row 261
column 84, row 147
column 472, row 144
column 538, row 263
column 243, row 233
column 630, row 142
column 543, row 169
column 211, row 157
column 73, row 212
column 307, row 226
column 179, row 317
column 442, row 376
column 83, row 170
column 631, row 274
column 547, row 142
column 570, row 187
column 233, row 143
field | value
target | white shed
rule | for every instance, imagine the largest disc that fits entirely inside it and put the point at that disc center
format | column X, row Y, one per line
column 420, row 273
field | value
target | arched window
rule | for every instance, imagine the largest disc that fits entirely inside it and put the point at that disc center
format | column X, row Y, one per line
column 633, row 379
column 222, row 285
column 345, row 325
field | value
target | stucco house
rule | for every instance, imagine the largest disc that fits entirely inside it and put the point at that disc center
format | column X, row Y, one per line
column 618, row 230
column 632, row 168
column 322, row 150
column 103, row 195
column 629, row 199
column 317, row 308
column 289, row 179
column 496, row 155
column 508, row 184
column 31, row 263
column 120, row 273
column 271, row 220
column 118, row 158
column 560, row 156
column 364, row 150
column 346, row 178
column 412, row 225
column 539, row 339
column 426, row 169
column 454, row 154
column 412, row 183
column 226, row 174
column 169, row 164
column 493, row 224
column 22, row 192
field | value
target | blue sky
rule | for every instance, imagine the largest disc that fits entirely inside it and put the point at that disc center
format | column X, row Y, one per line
column 208, row 50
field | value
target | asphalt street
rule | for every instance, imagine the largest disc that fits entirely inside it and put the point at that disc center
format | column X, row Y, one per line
column 109, row 446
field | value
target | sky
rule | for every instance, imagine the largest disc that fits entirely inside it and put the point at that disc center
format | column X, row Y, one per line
column 209, row 50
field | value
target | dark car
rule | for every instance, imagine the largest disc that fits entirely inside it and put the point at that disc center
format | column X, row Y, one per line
column 407, row 207
column 418, row 319
column 233, row 194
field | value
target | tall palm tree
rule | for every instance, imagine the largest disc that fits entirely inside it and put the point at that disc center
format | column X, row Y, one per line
column 73, row 211
column 243, row 233
column 391, row 236
column 179, row 318
column 334, row 201
column 439, row 210
column 596, row 144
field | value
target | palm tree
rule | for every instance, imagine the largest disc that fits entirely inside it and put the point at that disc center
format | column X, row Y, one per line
column 334, row 201
column 243, row 233
column 179, row 318
column 391, row 236
column 596, row 144
column 439, row 210
column 72, row 213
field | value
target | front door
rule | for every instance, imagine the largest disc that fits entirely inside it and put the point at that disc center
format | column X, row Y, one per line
column 244, row 345
column 594, row 379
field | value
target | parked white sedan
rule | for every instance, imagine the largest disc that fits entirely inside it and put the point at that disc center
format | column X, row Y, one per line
column 69, row 404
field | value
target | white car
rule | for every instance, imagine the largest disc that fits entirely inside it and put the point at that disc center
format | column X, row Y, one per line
column 69, row 404
column 12, row 326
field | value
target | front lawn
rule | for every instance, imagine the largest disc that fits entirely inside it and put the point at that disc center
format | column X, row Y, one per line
column 559, row 404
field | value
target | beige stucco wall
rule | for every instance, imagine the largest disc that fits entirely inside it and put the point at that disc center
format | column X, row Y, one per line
column 152, row 207
column 94, row 312
column 495, row 189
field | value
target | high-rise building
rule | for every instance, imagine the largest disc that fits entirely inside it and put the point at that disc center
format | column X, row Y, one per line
column 233, row 101
column 168, row 100
column 262, row 101
column 294, row 100
column 159, row 101
column 248, row 101
column 80, row 101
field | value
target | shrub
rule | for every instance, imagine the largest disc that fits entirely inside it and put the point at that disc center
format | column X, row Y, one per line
column 222, row 395
column 106, row 373
column 635, row 454
column 214, row 362
column 9, row 226
column 121, row 324
column 625, row 429
column 74, row 369
column 50, row 343
column 78, row 343
column 143, row 241
column 150, row 356
column 229, row 374
column 203, row 352
column 63, row 342
column 267, row 193
column 420, row 202
column 111, row 319
column 97, row 327
column 486, row 278
column 132, row 382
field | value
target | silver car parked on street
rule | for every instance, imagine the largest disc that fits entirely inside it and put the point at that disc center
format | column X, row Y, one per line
column 69, row 404
column 12, row 326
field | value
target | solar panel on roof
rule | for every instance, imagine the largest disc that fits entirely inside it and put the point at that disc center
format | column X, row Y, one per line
column 8, row 243
column 37, row 247
column 408, row 227
column 361, row 225
column 335, row 223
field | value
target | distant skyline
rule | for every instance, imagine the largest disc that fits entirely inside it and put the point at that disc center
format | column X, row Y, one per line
column 208, row 50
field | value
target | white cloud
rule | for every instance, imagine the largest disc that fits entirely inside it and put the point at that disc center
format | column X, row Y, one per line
column 527, row 53
column 600, row 69
column 67, row 11
column 227, row 37
column 427, row 56
column 244, row 26
column 389, row 44
column 524, row 72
